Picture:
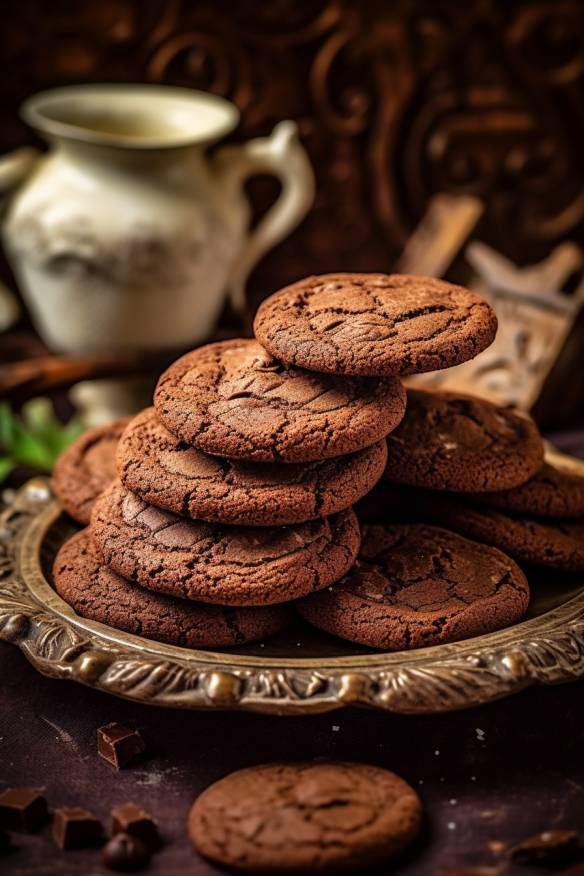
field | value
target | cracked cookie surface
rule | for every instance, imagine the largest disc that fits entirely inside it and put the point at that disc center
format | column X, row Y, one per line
column 374, row 324
column 305, row 817
column 168, row 473
column 551, row 492
column 86, row 468
column 449, row 441
column 98, row 593
column 555, row 543
column 415, row 585
column 234, row 399
column 224, row 565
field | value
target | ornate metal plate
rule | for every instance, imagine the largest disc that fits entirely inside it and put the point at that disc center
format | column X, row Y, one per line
column 546, row 648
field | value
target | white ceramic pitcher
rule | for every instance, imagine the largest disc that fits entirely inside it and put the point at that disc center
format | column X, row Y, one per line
column 127, row 235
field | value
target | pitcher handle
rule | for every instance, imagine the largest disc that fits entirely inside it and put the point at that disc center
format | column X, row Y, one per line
column 16, row 166
column 14, row 169
column 282, row 155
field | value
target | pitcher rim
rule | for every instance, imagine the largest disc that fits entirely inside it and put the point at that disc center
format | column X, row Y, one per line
column 33, row 112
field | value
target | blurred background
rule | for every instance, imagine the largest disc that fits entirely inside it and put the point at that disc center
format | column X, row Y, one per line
column 445, row 139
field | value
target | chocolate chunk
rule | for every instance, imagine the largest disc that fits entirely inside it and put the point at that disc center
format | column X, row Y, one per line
column 124, row 853
column 135, row 821
column 75, row 828
column 550, row 848
column 22, row 809
column 118, row 744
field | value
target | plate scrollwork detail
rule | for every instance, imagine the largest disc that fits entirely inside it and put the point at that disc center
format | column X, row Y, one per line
column 545, row 649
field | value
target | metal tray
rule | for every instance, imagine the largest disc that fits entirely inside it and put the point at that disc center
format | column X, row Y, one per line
column 299, row 672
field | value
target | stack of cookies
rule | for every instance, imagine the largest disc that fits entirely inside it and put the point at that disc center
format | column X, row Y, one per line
column 480, row 470
column 233, row 496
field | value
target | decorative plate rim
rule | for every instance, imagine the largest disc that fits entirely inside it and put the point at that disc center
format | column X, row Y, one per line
column 543, row 650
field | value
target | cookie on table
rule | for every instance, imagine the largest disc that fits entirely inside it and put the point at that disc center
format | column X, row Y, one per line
column 416, row 585
column 233, row 399
column 555, row 543
column 86, row 468
column 551, row 492
column 164, row 471
column 98, row 593
column 374, row 325
column 222, row 565
column 449, row 441
column 327, row 817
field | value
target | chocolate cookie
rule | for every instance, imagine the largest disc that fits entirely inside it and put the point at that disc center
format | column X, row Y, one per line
column 233, row 399
column 558, row 543
column 416, row 585
column 222, row 565
column 305, row 817
column 96, row 592
column 448, row 441
column 165, row 471
column 551, row 492
column 374, row 324
column 86, row 468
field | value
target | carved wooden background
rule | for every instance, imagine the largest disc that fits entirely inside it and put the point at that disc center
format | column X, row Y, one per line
column 395, row 99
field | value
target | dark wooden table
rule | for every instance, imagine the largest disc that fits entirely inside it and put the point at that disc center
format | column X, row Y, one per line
column 488, row 777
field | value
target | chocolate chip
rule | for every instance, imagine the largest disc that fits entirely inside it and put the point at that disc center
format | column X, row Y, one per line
column 22, row 809
column 124, row 853
column 118, row 744
column 75, row 828
column 133, row 820
column 548, row 848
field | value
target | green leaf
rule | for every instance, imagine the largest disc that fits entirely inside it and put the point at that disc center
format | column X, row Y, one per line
column 29, row 449
column 6, row 466
column 6, row 421
column 37, row 437
column 69, row 433
column 40, row 419
column 39, row 415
